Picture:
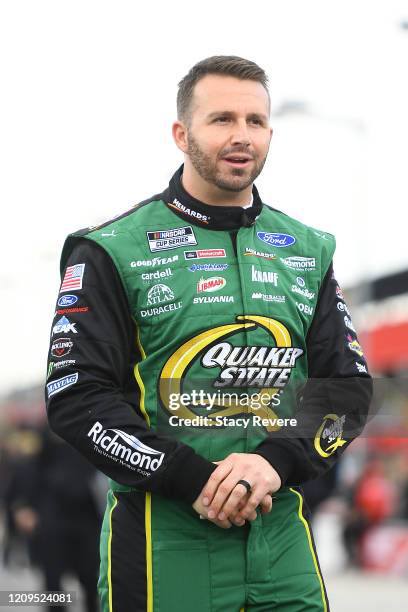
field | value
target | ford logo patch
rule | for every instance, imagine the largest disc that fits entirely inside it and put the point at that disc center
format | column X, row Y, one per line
column 276, row 239
column 67, row 300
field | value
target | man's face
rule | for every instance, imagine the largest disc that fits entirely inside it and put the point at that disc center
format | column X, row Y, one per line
column 228, row 135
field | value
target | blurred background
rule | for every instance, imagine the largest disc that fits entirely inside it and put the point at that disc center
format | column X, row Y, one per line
column 88, row 98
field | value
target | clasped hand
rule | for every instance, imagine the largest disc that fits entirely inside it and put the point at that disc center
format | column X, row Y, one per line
column 225, row 502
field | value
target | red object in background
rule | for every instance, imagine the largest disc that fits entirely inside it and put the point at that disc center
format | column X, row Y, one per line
column 385, row 549
column 375, row 496
column 387, row 347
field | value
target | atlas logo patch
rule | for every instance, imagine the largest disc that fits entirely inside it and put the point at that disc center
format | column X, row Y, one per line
column 64, row 326
column 62, row 383
column 204, row 253
column 276, row 239
column 61, row 347
column 73, row 278
column 125, row 449
column 67, row 300
column 194, row 214
column 163, row 240
column 215, row 283
column 158, row 294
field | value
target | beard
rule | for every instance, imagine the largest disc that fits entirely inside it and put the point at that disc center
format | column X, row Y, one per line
column 232, row 179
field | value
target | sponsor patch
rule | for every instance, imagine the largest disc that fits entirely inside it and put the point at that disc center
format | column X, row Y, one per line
column 320, row 235
column 264, row 276
column 299, row 263
column 304, row 292
column 208, row 285
column 111, row 234
column 61, row 347
column 339, row 293
column 300, row 281
column 76, row 309
column 214, row 299
column 156, row 261
column 276, row 239
column 361, row 367
column 58, row 365
column 348, row 323
column 208, row 267
column 64, row 326
column 67, row 300
column 62, row 383
column 162, row 240
column 125, row 449
column 264, row 361
column 280, row 299
column 158, row 294
column 252, row 252
column 329, row 436
column 305, row 308
column 343, row 307
column 190, row 212
column 149, row 276
column 73, row 278
column 354, row 345
column 158, row 310
column 204, row 253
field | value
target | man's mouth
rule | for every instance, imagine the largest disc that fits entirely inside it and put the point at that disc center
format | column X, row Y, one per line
column 237, row 160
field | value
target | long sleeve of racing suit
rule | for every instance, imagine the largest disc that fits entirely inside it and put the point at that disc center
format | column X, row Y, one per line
column 338, row 385
column 103, row 354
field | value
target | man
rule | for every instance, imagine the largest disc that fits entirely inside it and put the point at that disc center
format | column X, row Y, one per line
column 184, row 334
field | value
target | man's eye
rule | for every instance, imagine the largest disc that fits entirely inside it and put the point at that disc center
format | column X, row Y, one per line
column 222, row 119
column 256, row 121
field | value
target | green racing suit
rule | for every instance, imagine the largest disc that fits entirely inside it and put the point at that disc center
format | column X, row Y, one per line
column 185, row 332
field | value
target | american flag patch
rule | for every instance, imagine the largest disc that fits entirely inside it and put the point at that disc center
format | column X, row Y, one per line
column 73, row 278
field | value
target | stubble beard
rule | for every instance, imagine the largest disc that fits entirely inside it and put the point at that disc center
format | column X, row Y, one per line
column 235, row 180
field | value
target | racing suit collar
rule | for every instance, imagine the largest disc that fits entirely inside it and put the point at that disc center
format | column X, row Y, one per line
column 205, row 215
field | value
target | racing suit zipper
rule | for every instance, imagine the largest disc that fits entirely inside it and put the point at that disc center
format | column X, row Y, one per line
column 233, row 234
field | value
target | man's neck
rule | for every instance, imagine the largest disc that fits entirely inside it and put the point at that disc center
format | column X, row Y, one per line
column 211, row 194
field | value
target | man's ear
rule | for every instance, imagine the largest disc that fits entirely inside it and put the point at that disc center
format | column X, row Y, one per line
column 179, row 131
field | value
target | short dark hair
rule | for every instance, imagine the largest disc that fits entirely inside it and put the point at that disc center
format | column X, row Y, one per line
column 228, row 65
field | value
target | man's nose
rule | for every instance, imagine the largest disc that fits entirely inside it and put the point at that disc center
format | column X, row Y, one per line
column 240, row 134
